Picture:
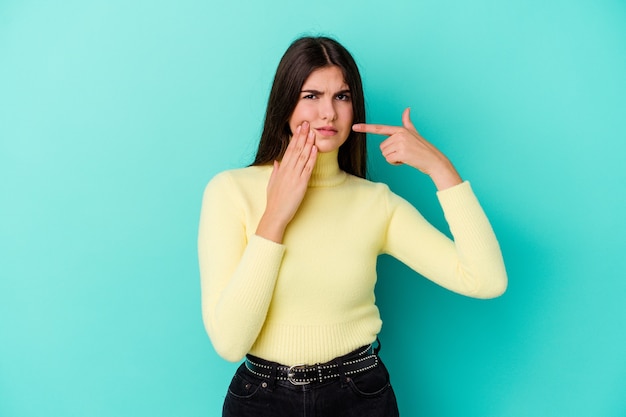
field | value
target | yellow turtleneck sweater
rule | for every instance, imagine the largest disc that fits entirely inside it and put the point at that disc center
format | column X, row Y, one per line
column 311, row 298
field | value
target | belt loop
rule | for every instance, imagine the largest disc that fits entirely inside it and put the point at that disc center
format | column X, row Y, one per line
column 341, row 371
column 272, row 382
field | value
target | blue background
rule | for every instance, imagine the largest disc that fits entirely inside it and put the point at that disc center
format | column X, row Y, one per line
column 115, row 114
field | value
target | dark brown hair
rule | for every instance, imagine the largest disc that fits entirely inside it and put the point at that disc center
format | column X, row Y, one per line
column 304, row 56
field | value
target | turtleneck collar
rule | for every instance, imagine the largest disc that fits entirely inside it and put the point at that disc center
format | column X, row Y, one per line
column 326, row 172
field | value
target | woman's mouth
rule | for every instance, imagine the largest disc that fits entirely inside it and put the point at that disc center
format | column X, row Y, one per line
column 326, row 131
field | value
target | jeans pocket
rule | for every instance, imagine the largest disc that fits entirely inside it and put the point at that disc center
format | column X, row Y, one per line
column 371, row 383
column 242, row 388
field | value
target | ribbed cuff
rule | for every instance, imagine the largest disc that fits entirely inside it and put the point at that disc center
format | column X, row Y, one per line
column 257, row 272
column 465, row 216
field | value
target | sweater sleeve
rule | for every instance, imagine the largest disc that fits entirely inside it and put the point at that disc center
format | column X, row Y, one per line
column 471, row 264
column 237, row 276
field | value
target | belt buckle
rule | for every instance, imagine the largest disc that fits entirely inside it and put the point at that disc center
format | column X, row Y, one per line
column 291, row 374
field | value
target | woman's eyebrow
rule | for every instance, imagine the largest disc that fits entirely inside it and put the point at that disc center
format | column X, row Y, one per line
column 318, row 93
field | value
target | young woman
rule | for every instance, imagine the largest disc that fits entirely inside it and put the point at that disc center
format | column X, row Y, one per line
column 288, row 245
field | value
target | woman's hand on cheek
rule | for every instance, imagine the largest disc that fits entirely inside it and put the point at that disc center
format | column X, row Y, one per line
column 405, row 145
column 288, row 183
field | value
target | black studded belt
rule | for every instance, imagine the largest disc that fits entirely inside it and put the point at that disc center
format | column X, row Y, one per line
column 359, row 361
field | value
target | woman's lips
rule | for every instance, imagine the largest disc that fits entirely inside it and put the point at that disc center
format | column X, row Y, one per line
column 326, row 131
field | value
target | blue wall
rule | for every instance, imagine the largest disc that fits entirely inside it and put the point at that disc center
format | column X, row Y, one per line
column 115, row 114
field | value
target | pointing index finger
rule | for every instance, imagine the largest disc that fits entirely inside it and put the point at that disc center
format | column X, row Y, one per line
column 376, row 129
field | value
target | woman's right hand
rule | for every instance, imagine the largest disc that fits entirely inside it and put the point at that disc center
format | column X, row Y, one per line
column 288, row 184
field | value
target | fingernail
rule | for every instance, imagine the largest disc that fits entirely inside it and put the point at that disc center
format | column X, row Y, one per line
column 305, row 124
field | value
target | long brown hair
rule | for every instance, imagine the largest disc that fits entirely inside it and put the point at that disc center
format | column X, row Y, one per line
column 301, row 58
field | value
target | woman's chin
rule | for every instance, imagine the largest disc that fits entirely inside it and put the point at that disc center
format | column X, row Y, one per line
column 327, row 145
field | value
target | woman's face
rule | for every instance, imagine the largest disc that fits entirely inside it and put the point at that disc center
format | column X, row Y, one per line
column 326, row 103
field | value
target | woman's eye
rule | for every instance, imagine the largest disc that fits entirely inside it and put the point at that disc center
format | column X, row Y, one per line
column 343, row 97
column 309, row 96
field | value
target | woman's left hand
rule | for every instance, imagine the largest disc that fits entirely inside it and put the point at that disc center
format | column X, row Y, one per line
column 405, row 145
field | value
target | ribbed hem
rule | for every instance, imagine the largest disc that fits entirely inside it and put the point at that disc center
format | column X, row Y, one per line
column 292, row 344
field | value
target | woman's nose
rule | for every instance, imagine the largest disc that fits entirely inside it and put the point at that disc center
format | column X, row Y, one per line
column 327, row 110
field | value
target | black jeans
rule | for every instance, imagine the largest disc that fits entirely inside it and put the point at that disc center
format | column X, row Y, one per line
column 366, row 394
